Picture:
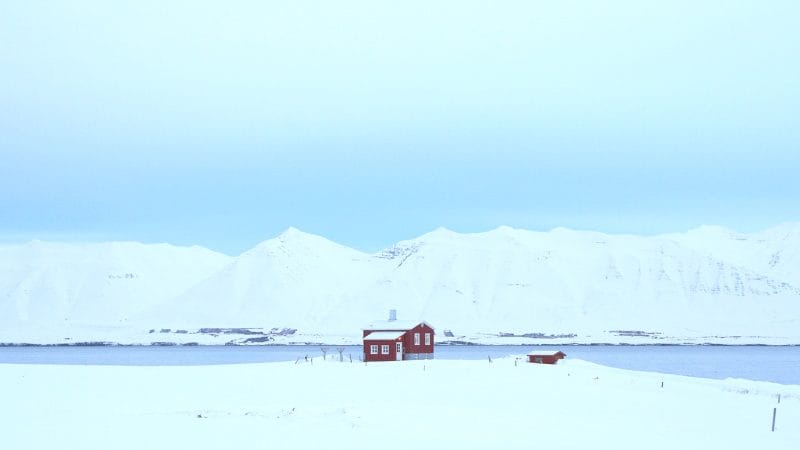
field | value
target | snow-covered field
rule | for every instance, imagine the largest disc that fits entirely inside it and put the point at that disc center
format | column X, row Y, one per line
column 413, row 404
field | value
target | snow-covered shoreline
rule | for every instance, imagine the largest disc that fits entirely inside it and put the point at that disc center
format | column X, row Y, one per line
column 430, row 404
column 285, row 336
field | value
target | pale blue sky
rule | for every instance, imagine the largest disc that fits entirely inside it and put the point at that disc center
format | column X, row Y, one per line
column 223, row 123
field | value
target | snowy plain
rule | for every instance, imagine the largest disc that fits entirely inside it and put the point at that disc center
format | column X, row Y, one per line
column 328, row 404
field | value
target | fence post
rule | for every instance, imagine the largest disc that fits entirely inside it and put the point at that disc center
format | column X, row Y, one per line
column 774, row 412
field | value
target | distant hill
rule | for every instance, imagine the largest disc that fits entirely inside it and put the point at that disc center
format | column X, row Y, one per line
column 707, row 281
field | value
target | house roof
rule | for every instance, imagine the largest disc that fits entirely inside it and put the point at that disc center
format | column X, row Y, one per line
column 399, row 325
column 383, row 336
column 546, row 353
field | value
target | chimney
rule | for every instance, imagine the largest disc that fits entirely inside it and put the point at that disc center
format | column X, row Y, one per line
column 392, row 315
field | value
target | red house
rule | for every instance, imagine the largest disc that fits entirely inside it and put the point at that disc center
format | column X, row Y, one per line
column 395, row 340
column 545, row 357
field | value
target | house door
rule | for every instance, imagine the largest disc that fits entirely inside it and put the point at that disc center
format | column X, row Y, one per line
column 399, row 350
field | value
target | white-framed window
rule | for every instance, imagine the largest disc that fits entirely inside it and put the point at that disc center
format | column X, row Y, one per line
column 398, row 347
column 416, row 338
column 385, row 349
column 427, row 339
column 373, row 349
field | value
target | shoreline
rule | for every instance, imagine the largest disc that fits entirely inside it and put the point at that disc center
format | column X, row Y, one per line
column 445, row 344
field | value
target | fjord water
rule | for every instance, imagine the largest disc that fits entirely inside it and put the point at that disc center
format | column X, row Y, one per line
column 778, row 364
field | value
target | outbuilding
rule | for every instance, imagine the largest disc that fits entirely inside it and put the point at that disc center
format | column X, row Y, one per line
column 396, row 340
column 545, row 357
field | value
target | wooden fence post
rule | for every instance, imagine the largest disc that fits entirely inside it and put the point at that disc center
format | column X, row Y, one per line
column 774, row 412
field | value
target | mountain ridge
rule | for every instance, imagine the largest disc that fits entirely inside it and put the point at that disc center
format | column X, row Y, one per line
column 708, row 280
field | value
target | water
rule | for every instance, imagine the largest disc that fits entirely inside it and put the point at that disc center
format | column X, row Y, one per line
column 779, row 364
column 776, row 364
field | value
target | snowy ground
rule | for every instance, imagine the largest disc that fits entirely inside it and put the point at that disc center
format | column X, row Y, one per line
column 414, row 404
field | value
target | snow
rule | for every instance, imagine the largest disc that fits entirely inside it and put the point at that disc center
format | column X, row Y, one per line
column 506, row 404
column 504, row 286
column 541, row 352
column 383, row 335
column 64, row 285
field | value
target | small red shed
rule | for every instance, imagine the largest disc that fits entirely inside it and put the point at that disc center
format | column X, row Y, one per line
column 396, row 340
column 546, row 357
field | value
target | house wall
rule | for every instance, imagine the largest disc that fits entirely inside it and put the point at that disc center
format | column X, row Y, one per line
column 408, row 342
column 410, row 350
column 392, row 356
column 544, row 359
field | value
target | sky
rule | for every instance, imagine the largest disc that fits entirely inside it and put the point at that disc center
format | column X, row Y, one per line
column 223, row 123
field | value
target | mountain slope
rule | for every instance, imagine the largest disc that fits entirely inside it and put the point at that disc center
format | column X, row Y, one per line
column 568, row 280
column 774, row 252
column 46, row 284
column 708, row 281
column 294, row 280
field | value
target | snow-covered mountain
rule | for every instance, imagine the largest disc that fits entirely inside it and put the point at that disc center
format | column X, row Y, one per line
column 564, row 280
column 294, row 280
column 706, row 282
column 46, row 286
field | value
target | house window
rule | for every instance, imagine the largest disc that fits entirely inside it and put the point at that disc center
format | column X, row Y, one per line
column 416, row 338
column 427, row 339
column 398, row 347
column 373, row 349
column 384, row 349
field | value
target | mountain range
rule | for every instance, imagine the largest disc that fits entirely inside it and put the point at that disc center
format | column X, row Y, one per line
column 710, row 282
